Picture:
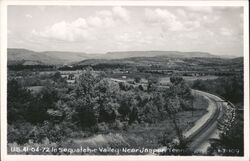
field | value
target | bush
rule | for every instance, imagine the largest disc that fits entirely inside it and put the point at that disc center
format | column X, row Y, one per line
column 118, row 125
column 20, row 133
column 137, row 79
column 103, row 127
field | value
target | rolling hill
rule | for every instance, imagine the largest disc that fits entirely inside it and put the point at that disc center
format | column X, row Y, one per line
column 16, row 56
column 167, row 62
column 173, row 54
column 25, row 56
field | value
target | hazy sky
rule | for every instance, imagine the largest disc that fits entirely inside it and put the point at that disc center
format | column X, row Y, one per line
column 94, row 29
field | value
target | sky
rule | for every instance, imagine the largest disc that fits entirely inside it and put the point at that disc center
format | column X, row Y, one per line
column 101, row 29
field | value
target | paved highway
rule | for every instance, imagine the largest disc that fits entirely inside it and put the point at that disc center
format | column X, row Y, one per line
column 208, row 125
column 205, row 127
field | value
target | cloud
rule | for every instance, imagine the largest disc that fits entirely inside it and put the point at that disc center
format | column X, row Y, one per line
column 170, row 21
column 190, row 25
column 164, row 18
column 64, row 31
column 28, row 16
column 159, row 15
column 209, row 19
column 226, row 32
column 200, row 9
column 202, row 14
column 85, row 28
column 97, row 29
column 121, row 12
column 104, row 13
column 95, row 21
column 124, row 37
column 181, row 12
column 80, row 22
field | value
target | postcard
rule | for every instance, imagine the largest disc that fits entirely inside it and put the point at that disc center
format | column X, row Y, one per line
column 124, row 80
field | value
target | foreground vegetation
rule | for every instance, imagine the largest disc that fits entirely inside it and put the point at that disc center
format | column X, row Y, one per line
column 95, row 105
column 45, row 110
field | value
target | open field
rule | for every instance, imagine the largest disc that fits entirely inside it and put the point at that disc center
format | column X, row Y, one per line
column 35, row 89
column 166, row 80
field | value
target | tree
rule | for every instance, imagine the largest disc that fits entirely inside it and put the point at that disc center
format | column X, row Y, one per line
column 133, row 116
column 125, row 86
column 141, row 87
column 174, row 96
column 86, row 112
column 199, row 84
column 173, row 105
column 152, row 83
column 127, row 102
column 48, row 96
column 18, row 101
column 107, row 92
column 71, row 76
column 108, row 112
column 137, row 79
column 183, row 91
column 37, row 112
column 20, row 132
column 86, row 83
column 230, row 87
column 176, row 80
column 85, row 103
column 57, row 76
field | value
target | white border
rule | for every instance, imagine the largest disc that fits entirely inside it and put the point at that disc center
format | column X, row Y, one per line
column 3, row 73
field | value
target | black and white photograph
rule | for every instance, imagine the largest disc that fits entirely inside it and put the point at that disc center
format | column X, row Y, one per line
column 125, row 80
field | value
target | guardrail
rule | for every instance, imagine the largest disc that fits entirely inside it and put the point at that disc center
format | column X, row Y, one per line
column 227, row 119
column 229, row 103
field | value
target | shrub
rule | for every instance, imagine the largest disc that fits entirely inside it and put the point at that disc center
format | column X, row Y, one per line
column 103, row 127
column 20, row 132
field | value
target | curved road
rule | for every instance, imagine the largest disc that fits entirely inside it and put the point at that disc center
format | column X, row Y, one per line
column 205, row 128
column 199, row 138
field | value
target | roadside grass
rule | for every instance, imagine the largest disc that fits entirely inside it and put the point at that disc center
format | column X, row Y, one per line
column 137, row 136
column 199, row 102
column 150, row 136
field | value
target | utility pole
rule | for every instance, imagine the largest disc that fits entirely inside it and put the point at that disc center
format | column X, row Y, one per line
column 193, row 105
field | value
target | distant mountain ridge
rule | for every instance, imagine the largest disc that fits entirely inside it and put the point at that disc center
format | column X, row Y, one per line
column 47, row 58
column 175, row 54
column 24, row 56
